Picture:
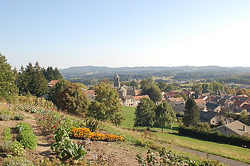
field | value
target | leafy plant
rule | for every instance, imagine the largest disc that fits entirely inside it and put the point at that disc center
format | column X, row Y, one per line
column 26, row 136
column 18, row 117
column 171, row 159
column 7, row 134
column 65, row 148
column 6, row 146
column 5, row 117
column 17, row 149
column 92, row 123
column 16, row 161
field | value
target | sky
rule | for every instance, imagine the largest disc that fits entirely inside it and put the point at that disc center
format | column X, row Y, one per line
column 118, row 33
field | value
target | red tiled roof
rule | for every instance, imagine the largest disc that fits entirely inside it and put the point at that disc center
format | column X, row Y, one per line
column 140, row 97
column 89, row 92
column 52, row 82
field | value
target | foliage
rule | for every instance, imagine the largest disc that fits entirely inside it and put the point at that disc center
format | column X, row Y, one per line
column 31, row 80
column 6, row 146
column 107, row 106
column 171, row 159
column 56, row 162
column 141, row 142
column 85, row 133
column 26, row 136
column 17, row 149
column 92, row 123
column 51, row 74
column 5, row 117
column 16, row 161
column 153, row 91
column 164, row 115
column 215, row 136
column 191, row 113
column 69, row 97
column 145, row 114
column 7, row 134
column 65, row 148
column 7, row 79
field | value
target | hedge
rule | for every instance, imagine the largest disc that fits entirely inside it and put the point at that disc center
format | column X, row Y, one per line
column 215, row 137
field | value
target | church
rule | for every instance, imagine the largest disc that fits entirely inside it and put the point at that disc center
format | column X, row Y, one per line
column 128, row 94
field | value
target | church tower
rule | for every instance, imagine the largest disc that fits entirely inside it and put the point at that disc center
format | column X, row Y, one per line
column 117, row 83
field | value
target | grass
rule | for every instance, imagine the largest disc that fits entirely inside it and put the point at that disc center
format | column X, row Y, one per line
column 128, row 113
column 171, row 137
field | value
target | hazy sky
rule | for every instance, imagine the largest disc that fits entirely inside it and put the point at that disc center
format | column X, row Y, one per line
column 117, row 33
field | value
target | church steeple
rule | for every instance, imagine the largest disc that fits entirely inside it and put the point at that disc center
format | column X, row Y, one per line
column 117, row 81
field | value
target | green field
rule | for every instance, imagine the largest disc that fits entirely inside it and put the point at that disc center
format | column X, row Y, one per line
column 171, row 137
column 128, row 113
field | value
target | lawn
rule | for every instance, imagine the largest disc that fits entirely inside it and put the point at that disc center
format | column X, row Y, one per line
column 128, row 113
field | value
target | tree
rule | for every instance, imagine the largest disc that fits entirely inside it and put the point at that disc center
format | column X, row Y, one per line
column 107, row 105
column 191, row 113
column 164, row 115
column 197, row 88
column 72, row 99
column 7, row 79
column 206, row 88
column 163, row 86
column 31, row 80
column 145, row 113
column 216, row 87
column 153, row 91
column 51, row 74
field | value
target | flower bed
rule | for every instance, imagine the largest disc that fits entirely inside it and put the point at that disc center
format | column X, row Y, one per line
column 85, row 133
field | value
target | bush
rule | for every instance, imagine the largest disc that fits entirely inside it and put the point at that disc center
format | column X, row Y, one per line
column 7, row 134
column 17, row 149
column 18, row 117
column 5, row 117
column 6, row 146
column 169, row 158
column 26, row 136
column 92, row 123
column 141, row 143
column 16, row 161
column 65, row 148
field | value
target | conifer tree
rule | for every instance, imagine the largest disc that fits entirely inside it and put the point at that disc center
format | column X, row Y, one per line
column 7, row 79
column 191, row 113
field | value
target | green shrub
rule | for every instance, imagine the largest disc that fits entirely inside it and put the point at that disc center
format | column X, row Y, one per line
column 65, row 148
column 7, row 134
column 141, row 143
column 17, row 149
column 169, row 158
column 26, row 136
column 92, row 123
column 5, row 117
column 16, row 161
column 6, row 146
column 18, row 117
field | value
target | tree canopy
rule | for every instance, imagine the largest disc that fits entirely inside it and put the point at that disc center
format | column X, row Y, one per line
column 145, row 113
column 107, row 105
column 191, row 113
column 7, row 79
column 31, row 80
column 164, row 115
column 69, row 96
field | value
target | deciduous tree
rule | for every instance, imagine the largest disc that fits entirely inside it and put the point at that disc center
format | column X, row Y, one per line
column 145, row 113
column 164, row 115
column 107, row 105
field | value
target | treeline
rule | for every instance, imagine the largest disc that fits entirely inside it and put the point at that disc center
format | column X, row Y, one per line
column 34, row 79
column 242, row 79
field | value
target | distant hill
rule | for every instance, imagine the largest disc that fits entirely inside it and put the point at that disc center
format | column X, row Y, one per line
column 179, row 72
